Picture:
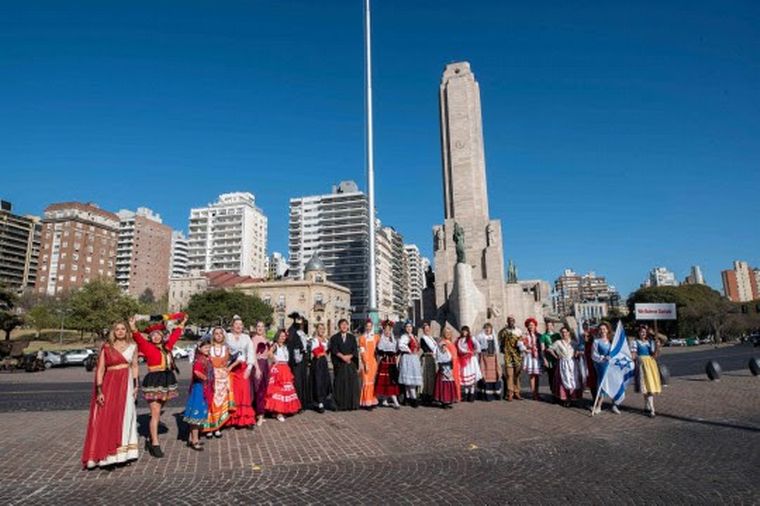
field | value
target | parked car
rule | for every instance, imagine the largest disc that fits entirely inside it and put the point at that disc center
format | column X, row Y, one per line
column 677, row 342
column 52, row 359
column 180, row 352
column 76, row 357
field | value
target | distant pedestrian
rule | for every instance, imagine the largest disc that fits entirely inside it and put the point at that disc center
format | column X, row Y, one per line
column 509, row 340
column 112, row 425
column 409, row 368
column 645, row 352
column 282, row 398
column 530, row 347
column 344, row 352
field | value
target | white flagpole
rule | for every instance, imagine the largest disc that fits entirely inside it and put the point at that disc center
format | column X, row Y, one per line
column 372, row 302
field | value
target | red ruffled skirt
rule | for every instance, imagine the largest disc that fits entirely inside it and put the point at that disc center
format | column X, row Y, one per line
column 387, row 377
column 244, row 414
column 282, row 398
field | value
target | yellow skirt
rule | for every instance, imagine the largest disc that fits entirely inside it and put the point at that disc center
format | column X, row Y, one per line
column 649, row 376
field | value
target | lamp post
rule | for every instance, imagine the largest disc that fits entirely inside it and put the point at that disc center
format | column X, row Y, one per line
column 372, row 310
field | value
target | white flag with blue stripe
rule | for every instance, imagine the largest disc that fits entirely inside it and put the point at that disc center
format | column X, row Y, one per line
column 620, row 368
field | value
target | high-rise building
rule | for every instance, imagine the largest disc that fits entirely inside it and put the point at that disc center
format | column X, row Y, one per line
column 572, row 288
column 465, row 202
column 392, row 275
column 660, row 276
column 180, row 257
column 229, row 235
column 143, row 253
column 695, row 276
column 78, row 244
column 740, row 283
column 336, row 227
column 416, row 271
column 277, row 266
column 19, row 248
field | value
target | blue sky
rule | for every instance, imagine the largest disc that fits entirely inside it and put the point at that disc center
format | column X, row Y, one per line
column 618, row 137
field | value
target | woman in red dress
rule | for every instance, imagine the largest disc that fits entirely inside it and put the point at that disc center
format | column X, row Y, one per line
column 160, row 384
column 112, row 427
column 282, row 398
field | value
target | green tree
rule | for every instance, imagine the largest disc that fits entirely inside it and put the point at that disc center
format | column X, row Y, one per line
column 97, row 305
column 147, row 297
column 217, row 307
column 10, row 318
column 701, row 311
column 41, row 317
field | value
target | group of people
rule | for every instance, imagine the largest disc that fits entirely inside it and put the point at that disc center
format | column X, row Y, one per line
column 239, row 379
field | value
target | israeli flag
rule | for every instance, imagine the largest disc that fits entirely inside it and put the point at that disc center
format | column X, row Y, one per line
column 620, row 368
column 579, row 334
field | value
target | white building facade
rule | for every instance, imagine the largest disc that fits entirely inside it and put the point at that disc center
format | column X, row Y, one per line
column 180, row 258
column 661, row 276
column 336, row 227
column 229, row 235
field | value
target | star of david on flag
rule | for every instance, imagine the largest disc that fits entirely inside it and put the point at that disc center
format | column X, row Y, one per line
column 621, row 368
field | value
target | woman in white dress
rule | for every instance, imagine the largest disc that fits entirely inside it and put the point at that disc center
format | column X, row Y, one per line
column 468, row 349
column 410, row 371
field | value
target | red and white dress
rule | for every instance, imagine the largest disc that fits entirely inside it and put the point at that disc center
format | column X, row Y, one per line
column 281, row 393
column 112, row 428
column 531, row 354
column 468, row 361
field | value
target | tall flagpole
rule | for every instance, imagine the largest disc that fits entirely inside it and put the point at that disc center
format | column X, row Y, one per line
column 372, row 305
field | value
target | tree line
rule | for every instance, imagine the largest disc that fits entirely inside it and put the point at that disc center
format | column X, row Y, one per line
column 96, row 305
column 702, row 312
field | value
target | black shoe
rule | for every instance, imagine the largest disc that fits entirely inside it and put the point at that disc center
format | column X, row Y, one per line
column 470, row 397
column 149, row 447
column 157, row 452
column 321, row 409
column 249, row 427
column 195, row 446
column 414, row 402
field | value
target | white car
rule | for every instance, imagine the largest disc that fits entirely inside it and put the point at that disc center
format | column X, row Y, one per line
column 180, row 352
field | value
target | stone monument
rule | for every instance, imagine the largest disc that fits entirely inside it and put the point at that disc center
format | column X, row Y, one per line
column 469, row 274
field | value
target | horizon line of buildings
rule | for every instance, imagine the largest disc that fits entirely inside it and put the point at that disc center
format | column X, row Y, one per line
column 76, row 242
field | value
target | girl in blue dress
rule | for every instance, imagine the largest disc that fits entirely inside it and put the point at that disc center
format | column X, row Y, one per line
column 600, row 354
column 201, row 391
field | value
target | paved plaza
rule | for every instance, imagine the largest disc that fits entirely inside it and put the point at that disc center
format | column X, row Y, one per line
column 703, row 447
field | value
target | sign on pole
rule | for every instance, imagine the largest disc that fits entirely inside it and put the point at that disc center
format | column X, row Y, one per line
column 651, row 311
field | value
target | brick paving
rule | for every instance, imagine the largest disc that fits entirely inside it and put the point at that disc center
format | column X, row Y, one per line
column 702, row 448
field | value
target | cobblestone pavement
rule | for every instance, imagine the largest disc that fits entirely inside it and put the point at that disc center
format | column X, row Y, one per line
column 703, row 447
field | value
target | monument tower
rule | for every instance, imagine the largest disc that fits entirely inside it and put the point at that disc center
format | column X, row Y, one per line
column 472, row 295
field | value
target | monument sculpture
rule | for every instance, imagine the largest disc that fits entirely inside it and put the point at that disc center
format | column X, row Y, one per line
column 469, row 274
column 459, row 242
